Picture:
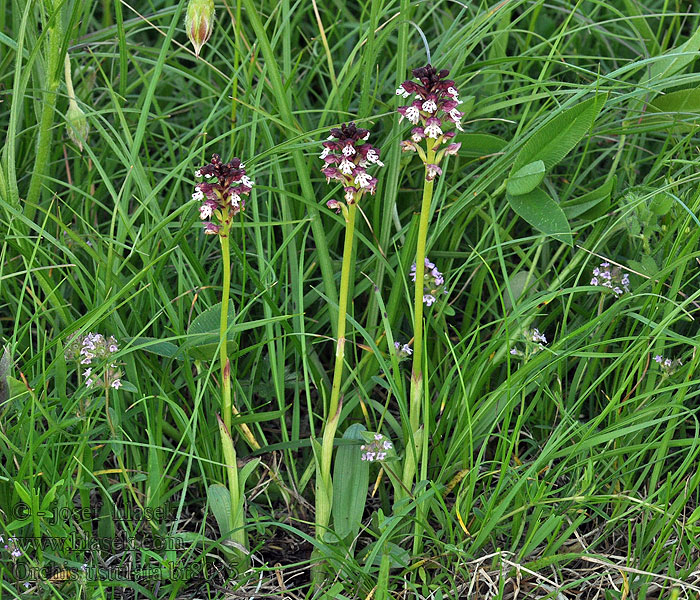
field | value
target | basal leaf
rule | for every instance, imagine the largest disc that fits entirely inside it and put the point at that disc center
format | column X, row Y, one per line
column 220, row 503
column 350, row 482
column 543, row 213
column 481, row 144
column 558, row 136
column 526, row 179
column 583, row 205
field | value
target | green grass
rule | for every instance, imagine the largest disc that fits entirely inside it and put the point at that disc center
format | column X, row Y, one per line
column 573, row 473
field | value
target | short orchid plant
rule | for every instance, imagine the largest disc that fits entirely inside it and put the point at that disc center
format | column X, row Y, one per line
column 347, row 155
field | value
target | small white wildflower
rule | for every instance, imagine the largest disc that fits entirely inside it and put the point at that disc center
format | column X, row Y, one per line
column 363, row 179
column 433, row 130
column 373, row 157
column 413, row 114
column 346, row 167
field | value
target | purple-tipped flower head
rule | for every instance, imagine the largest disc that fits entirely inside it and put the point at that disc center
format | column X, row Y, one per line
column 222, row 194
column 347, row 156
column 436, row 97
column 433, row 282
column 432, row 112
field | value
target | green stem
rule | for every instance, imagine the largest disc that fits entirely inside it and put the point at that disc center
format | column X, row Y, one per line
column 342, row 309
column 417, row 366
column 332, row 417
column 227, row 407
column 223, row 328
column 237, row 518
column 45, row 134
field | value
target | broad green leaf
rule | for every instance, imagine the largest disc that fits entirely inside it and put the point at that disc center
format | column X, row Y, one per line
column 582, row 205
column 543, row 213
column 159, row 347
column 517, row 285
column 677, row 110
column 203, row 334
column 481, row 144
column 245, row 472
column 220, row 503
column 682, row 101
column 674, row 60
column 556, row 138
column 208, row 321
column 350, row 482
column 526, row 179
column 661, row 203
column 397, row 556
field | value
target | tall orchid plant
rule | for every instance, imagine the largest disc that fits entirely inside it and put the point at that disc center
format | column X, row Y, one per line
column 433, row 111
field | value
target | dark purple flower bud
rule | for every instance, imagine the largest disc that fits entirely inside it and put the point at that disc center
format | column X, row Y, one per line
column 334, row 205
column 417, row 134
column 211, row 229
column 452, row 149
column 332, row 173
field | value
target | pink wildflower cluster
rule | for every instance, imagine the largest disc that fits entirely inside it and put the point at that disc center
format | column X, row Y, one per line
column 434, row 108
column 95, row 347
column 376, row 449
column 433, row 282
column 611, row 277
column 534, row 342
column 403, row 351
column 346, row 156
column 668, row 366
column 223, row 194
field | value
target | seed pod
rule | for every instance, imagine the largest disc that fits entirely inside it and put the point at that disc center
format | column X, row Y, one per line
column 77, row 125
column 199, row 22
